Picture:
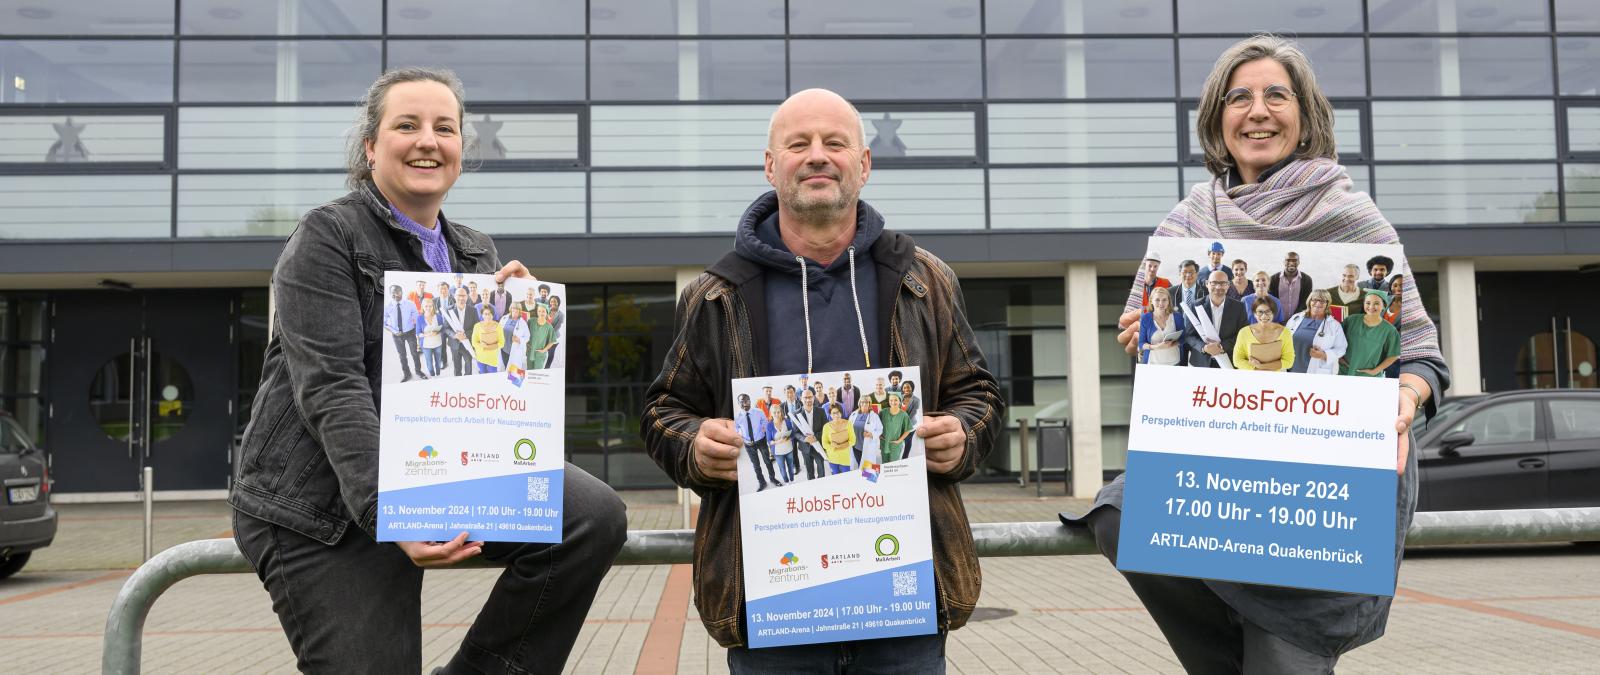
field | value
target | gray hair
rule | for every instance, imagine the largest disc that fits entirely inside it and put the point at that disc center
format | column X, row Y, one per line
column 357, row 171
column 1316, row 114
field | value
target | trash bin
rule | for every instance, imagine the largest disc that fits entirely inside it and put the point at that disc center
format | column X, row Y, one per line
column 1053, row 449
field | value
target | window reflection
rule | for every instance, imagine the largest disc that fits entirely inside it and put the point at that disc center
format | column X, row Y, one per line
column 677, row 135
column 1339, row 63
column 1070, row 198
column 927, row 199
column 69, row 139
column 888, row 69
column 689, row 70
column 282, row 71
column 255, row 138
column 282, row 17
column 1245, row 17
column 1579, row 63
column 486, row 17
column 673, row 201
column 1080, row 68
column 1072, row 133
column 884, row 17
column 1428, row 130
column 75, row 207
column 1467, row 194
column 1458, row 16
column 1469, row 66
column 86, row 17
column 686, row 17
column 85, row 71
column 1074, row 17
column 501, row 70
column 1577, row 16
column 250, row 206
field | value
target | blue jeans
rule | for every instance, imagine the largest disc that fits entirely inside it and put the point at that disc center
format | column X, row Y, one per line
column 915, row 655
column 356, row 606
column 787, row 466
column 433, row 359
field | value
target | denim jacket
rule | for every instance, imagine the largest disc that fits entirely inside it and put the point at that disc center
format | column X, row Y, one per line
column 309, row 459
column 920, row 309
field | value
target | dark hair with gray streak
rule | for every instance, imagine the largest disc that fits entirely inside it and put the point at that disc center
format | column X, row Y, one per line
column 357, row 171
column 1316, row 114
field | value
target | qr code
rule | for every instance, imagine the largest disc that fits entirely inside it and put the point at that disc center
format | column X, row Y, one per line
column 905, row 583
column 539, row 489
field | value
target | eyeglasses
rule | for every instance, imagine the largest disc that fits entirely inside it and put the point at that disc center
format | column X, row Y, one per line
column 1276, row 96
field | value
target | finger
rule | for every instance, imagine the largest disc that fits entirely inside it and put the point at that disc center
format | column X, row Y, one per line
column 516, row 269
column 1129, row 317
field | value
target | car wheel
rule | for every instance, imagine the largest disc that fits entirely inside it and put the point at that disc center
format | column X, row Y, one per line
column 12, row 564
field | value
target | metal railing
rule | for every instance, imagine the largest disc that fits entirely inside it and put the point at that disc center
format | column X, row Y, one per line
column 125, row 623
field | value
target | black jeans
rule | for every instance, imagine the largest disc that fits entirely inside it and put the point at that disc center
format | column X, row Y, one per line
column 915, row 655
column 406, row 345
column 1205, row 633
column 462, row 359
column 760, row 454
column 356, row 606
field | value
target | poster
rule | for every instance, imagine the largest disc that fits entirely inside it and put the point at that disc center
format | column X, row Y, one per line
column 833, row 507
column 1268, row 464
column 473, row 408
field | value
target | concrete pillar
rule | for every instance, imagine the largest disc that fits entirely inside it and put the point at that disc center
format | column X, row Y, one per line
column 1458, row 324
column 1083, row 377
column 288, row 71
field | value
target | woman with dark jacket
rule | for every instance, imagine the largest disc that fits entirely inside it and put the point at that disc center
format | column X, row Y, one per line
column 305, row 490
column 1267, row 132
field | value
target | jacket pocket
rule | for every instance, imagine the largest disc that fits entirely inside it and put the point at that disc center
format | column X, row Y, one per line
column 262, row 448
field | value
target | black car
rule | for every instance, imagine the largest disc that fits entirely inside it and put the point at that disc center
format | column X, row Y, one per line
column 1530, row 449
column 27, row 522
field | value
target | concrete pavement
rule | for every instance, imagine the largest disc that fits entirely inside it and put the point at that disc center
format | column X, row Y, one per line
column 1502, row 609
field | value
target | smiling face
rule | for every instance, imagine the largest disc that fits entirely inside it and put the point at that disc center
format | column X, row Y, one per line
column 416, row 156
column 1347, row 280
column 1396, row 285
column 1189, row 272
column 1317, row 308
column 816, row 156
column 1263, row 314
column 1258, row 136
column 1372, row 304
column 1291, row 264
column 1160, row 302
column 1150, row 268
column 1262, row 281
column 1218, row 286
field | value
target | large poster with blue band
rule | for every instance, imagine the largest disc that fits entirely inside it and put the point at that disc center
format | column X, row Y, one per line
column 833, row 507
column 1244, row 467
column 472, row 409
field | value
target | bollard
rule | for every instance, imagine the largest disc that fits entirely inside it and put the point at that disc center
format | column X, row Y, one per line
column 125, row 623
column 148, row 480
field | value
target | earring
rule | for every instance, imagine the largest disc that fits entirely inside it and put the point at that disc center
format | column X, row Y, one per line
column 369, row 162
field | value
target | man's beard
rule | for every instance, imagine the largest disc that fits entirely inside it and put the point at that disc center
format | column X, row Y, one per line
column 817, row 208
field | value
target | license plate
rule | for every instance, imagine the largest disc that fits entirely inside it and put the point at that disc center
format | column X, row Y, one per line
column 23, row 495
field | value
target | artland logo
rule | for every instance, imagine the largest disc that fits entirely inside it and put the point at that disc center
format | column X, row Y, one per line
column 524, row 451
column 463, row 458
column 834, row 559
column 887, row 547
column 428, row 452
column 789, row 559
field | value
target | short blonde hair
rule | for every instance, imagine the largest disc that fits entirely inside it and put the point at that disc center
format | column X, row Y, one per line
column 1316, row 114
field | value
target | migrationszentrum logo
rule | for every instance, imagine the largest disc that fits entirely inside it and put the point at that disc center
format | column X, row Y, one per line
column 427, row 452
column 789, row 559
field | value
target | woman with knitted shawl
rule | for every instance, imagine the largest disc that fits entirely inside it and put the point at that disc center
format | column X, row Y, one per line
column 1267, row 131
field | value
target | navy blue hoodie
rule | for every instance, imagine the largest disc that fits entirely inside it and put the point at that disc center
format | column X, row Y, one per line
column 836, row 326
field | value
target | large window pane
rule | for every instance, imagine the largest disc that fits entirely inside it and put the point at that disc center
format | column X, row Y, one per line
column 920, row 134
column 888, row 69
column 686, row 17
column 690, row 70
column 501, row 70
column 1070, row 133
column 927, row 199
column 1080, row 198
column 1583, row 192
column 1475, row 66
column 486, row 17
column 282, row 17
column 522, row 137
column 1075, row 17
column 1577, row 16
column 1458, row 16
column 721, row 135
column 519, row 203
column 1245, row 17
column 883, row 17
column 76, row 207
column 1583, row 129
column 1080, row 68
column 1339, row 63
column 677, row 201
column 251, row 205
column 283, row 71
column 263, row 138
column 1467, row 194
column 1579, row 63
column 1427, row 130
column 86, row 17
column 96, row 138
column 81, row 71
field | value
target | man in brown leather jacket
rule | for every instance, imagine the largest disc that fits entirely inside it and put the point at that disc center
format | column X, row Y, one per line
column 816, row 284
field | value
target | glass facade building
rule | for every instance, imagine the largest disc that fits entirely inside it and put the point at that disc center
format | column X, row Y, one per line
column 173, row 144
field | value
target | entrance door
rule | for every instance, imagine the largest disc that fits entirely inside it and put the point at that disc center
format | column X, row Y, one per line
column 141, row 379
column 1533, row 332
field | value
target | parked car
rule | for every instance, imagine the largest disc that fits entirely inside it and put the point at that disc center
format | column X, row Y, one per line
column 1530, row 449
column 27, row 522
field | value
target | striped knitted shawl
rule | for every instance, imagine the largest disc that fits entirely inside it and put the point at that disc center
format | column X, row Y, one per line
column 1307, row 200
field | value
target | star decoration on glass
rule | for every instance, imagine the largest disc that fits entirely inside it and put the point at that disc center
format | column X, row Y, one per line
column 887, row 143
column 486, row 142
column 69, row 144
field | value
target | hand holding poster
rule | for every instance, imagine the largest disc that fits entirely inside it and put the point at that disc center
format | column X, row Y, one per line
column 473, row 409
column 1267, row 466
column 833, row 507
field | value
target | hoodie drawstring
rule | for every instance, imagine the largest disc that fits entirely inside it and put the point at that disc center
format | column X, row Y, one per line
column 855, row 297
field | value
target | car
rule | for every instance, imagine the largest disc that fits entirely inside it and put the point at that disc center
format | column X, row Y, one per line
column 27, row 521
column 1528, row 449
